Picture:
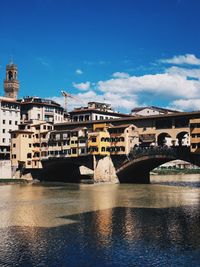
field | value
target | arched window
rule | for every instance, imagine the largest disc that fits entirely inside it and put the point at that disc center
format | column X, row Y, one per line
column 10, row 75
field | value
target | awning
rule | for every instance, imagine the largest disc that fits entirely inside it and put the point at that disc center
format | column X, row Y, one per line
column 147, row 138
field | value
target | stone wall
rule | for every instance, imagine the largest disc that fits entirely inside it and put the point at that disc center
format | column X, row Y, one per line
column 5, row 169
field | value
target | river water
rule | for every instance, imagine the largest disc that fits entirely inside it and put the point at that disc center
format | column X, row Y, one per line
column 54, row 225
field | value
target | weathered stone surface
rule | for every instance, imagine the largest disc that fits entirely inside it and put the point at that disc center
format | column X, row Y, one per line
column 104, row 170
column 85, row 171
column 5, row 169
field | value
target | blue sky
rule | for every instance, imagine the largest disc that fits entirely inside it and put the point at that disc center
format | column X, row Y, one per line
column 126, row 52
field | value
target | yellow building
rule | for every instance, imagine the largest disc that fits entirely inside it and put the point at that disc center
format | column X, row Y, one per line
column 68, row 143
column 123, row 138
column 112, row 140
column 99, row 140
column 29, row 144
column 195, row 135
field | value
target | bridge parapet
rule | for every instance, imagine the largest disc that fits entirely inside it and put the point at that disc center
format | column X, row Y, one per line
column 165, row 151
column 139, row 163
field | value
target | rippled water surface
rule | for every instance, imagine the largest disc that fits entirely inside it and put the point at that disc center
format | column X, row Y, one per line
column 101, row 225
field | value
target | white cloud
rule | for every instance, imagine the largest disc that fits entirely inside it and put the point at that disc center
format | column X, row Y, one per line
column 118, row 102
column 190, row 73
column 188, row 59
column 120, row 75
column 79, row 71
column 43, row 61
column 166, row 84
column 179, row 87
column 82, row 86
column 186, row 104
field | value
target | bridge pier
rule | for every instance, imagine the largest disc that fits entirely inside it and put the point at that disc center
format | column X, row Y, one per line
column 104, row 170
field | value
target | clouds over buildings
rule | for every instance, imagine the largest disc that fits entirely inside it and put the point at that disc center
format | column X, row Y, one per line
column 82, row 86
column 178, row 86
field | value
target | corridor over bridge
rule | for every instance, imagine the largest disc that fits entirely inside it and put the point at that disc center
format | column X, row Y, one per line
column 115, row 149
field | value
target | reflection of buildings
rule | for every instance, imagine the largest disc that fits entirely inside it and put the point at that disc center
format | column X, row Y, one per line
column 103, row 201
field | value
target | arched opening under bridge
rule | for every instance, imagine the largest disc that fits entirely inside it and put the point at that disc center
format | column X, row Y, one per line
column 138, row 169
column 61, row 171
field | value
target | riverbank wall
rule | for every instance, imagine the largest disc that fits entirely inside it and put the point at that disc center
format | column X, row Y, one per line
column 5, row 169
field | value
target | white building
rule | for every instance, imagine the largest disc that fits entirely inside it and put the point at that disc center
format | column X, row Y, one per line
column 95, row 111
column 150, row 111
column 36, row 108
column 9, row 120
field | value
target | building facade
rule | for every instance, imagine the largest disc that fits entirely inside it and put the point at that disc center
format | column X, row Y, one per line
column 9, row 121
column 68, row 143
column 29, row 144
column 151, row 111
column 95, row 111
column 112, row 140
column 195, row 136
column 36, row 108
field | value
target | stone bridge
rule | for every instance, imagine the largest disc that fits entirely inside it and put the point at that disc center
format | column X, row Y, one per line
column 140, row 162
column 134, row 168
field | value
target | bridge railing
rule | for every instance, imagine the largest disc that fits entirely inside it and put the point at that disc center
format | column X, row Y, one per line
column 173, row 152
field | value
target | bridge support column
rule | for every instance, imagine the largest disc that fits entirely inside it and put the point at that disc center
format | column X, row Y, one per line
column 104, row 170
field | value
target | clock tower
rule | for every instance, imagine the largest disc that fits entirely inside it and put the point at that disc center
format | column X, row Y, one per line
column 11, row 84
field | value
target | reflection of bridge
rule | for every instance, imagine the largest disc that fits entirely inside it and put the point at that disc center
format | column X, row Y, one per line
column 134, row 168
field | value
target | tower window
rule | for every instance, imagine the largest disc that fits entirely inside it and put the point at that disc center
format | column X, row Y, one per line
column 10, row 75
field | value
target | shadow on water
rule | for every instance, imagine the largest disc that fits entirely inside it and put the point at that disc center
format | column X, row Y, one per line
column 110, row 237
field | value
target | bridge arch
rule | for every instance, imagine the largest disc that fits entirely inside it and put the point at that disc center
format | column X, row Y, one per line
column 183, row 138
column 164, row 139
column 137, row 170
column 65, row 169
column 61, row 171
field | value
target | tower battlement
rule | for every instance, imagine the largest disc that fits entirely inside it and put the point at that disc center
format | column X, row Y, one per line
column 11, row 83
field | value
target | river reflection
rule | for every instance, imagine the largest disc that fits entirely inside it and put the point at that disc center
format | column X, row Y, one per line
column 99, row 225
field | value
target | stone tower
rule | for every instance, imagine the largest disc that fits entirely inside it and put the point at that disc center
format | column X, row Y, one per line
column 11, row 84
